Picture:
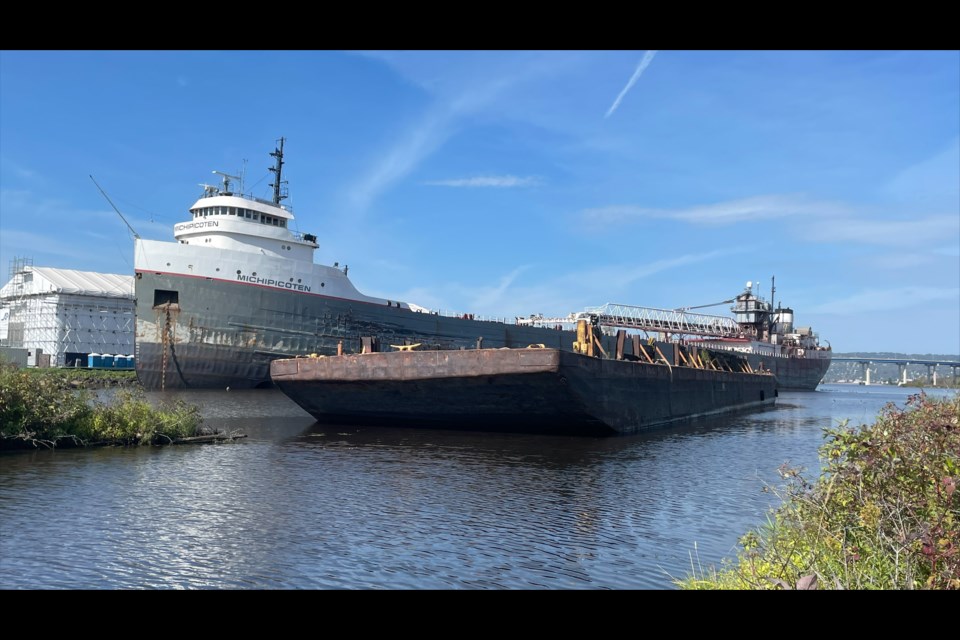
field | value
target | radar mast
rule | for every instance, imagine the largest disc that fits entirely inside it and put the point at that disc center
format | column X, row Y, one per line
column 278, row 169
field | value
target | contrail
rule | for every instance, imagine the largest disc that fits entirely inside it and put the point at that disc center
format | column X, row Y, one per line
column 647, row 59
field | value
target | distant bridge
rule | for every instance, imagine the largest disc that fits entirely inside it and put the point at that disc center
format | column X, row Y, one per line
column 902, row 365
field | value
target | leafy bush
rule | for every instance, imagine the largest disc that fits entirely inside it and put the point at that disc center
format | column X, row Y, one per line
column 38, row 406
column 885, row 513
column 41, row 409
column 130, row 420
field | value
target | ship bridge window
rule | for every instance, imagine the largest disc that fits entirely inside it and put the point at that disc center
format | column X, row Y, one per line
column 283, row 223
column 256, row 216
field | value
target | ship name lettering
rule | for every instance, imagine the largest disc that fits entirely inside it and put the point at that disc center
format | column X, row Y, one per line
column 197, row 225
column 282, row 284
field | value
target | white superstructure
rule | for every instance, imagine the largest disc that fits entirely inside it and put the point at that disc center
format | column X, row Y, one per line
column 241, row 238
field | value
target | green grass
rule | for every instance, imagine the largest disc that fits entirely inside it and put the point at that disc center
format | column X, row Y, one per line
column 47, row 410
column 884, row 514
column 84, row 378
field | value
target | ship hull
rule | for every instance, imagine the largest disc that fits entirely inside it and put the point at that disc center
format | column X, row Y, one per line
column 202, row 332
column 793, row 374
column 223, row 334
column 541, row 391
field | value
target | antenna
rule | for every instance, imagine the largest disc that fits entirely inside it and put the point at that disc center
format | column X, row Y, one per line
column 243, row 174
column 135, row 234
column 226, row 180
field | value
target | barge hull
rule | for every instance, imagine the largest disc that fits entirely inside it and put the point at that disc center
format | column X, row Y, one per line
column 542, row 391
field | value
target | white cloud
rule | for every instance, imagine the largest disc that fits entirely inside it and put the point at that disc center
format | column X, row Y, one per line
column 746, row 209
column 403, row 157
column 900, row 233
column 620, row 276
column 898, row 261
column 27, row 244
column 489, row 297
column 488, row 181
column 932, row 182
column 644, row 63
column 556, row 296
column 871, row 300
column 25, row 208
column 810, row 220
column 460, row 84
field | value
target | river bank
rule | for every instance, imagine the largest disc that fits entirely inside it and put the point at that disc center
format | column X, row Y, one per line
column 53, row 408
column 883, row 514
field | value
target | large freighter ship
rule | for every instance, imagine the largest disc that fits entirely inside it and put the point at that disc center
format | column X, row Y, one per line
column 764, row 335
column 239, row 288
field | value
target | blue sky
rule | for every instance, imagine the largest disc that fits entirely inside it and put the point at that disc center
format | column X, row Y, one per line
column 507, row 183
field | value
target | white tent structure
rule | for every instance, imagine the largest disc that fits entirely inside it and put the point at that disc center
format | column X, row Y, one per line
column 67, row 314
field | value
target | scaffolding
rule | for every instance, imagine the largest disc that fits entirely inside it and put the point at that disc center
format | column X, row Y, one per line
column 65, row 323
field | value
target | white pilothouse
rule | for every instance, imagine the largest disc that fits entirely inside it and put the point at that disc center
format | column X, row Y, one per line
column 239, row 237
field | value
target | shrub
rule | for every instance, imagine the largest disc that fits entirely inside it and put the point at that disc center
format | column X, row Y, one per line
column 40, row 409
column 129, row 419
column 884, row 514
column 37, row 406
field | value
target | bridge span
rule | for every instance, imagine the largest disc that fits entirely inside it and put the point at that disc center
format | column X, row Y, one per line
column 931, row 365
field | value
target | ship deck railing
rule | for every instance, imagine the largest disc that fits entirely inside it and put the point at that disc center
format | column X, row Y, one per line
column 623, row 316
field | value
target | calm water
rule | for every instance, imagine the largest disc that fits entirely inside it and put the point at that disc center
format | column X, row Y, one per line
column 301, row 506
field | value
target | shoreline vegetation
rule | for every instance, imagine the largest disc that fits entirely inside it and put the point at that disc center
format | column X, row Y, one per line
column 53, row 408
column 883, row 514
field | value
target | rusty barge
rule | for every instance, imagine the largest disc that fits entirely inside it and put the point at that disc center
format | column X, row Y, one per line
column 526, row 390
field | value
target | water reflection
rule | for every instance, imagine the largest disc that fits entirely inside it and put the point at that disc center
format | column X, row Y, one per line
column 302, row 505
